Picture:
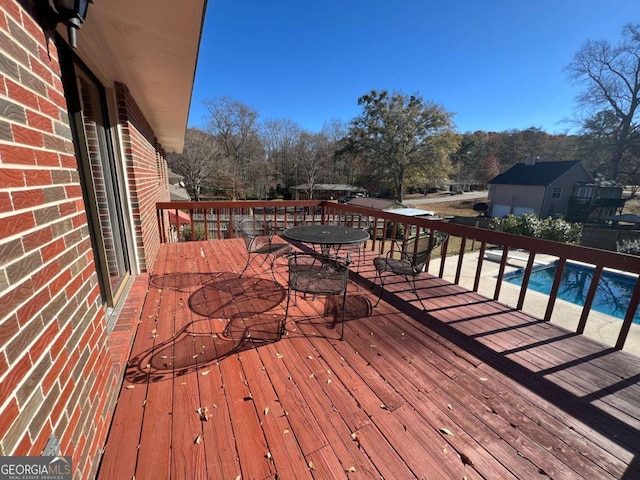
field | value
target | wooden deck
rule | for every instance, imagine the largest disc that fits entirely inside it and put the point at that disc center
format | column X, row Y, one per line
column 470, row 389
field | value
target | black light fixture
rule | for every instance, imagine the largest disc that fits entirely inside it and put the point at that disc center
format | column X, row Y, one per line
column 72, row 13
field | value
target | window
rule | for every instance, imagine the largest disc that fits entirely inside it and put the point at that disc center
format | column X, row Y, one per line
column 556, row 192
column 102, row 176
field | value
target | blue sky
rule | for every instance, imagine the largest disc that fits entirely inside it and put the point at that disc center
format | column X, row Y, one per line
column 498, row 64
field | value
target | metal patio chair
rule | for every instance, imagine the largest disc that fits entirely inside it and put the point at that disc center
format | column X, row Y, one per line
column 354, row 220
column 319, row 275
column 259, row 236
column 407, row 262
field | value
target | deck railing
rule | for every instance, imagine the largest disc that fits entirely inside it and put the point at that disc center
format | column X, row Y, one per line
column 215, row 220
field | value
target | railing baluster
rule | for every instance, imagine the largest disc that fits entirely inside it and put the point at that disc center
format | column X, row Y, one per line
column 593, row 288
column 553, row 295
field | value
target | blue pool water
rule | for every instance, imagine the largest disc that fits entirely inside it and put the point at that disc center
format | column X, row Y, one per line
column 612, row 297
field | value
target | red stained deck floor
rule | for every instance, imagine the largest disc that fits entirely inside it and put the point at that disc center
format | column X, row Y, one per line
column 470, row 389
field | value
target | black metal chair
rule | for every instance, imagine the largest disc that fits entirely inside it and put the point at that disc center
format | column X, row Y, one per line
column 353, row 220
column 319, row 275
column 408, row 261
column 259, row 236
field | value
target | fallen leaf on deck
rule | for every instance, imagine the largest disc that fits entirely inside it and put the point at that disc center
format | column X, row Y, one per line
column 351, row 469
column 215, row 405
column 446, row 431
column 266, row 411
column 354, row 436
column 129, row 387
column 206, row 372
column 310, row 357
column 483, row 379
column 311, row 466
column 279, row 355
column 449, row 406
column 383, row 406
column 268, row 455
column 312, row 375
column 198, row 440
column 204, row 414
column 328, row 381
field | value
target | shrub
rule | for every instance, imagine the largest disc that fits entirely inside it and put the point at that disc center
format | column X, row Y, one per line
column 631, row 247
column 529, row 225
column 185, row 233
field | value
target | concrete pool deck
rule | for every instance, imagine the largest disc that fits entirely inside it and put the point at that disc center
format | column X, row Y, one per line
column 601, row 327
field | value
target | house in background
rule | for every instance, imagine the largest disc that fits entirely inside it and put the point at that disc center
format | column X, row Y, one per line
column 83, row 136
column 549, row 189
column 327, row 191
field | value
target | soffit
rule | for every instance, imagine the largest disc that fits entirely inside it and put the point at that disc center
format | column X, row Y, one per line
column 151, row 46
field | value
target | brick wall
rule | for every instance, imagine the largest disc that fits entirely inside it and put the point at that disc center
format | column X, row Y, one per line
column 59, row 370
column 147, row 172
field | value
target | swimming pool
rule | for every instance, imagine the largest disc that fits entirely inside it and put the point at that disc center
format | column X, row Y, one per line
column 612, row 296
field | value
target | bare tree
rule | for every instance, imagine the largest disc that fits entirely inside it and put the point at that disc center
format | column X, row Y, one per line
column 198, row 161
column 234, row 125
column 279, row 138
column 611, row 76
column 312, row 159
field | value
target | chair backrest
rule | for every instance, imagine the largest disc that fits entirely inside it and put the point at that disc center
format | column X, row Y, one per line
column 256, row 233
column 319, row 274
column 417, row 249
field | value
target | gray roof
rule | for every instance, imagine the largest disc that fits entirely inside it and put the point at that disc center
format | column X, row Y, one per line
column 541, row 173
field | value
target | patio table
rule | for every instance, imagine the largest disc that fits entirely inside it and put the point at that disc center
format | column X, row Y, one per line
column 326, row 236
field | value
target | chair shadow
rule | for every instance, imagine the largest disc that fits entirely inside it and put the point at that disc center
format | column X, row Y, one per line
column 245, row 305
column 357, row 306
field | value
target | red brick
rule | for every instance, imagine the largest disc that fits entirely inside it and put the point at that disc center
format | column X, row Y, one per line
column 44, row 276
column 16, row 224
column 27, row 136
column 39, row 121
column 48, row 108
column 54, row 373
column 61, row 404
column 53, row 250
column 37, row 177
column 23, row 447
column 73, row 191
column 58, row 346
column 68, row 161
column 68, row 208
column 32, row 306
column 21, row 95
column 27, row 198
column 12, row 10
column 4, row 368
column 41, row 442
column 16, row 154
column 56, row 97
column 80, row 220
column 9, row 414
column 5, row 202
column 59, row 283
column 44, row 342
column 13, row 378
column 11, row 177
column 47, row 159
column 4, row 25
column 74, row 286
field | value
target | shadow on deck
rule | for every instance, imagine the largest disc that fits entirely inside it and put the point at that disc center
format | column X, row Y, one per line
column 471, row 388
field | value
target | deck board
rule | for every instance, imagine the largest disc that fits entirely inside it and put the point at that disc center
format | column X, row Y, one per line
column 471, row 388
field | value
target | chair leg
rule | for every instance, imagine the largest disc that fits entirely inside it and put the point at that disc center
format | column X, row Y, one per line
column 344, row 307
column 379, row 275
